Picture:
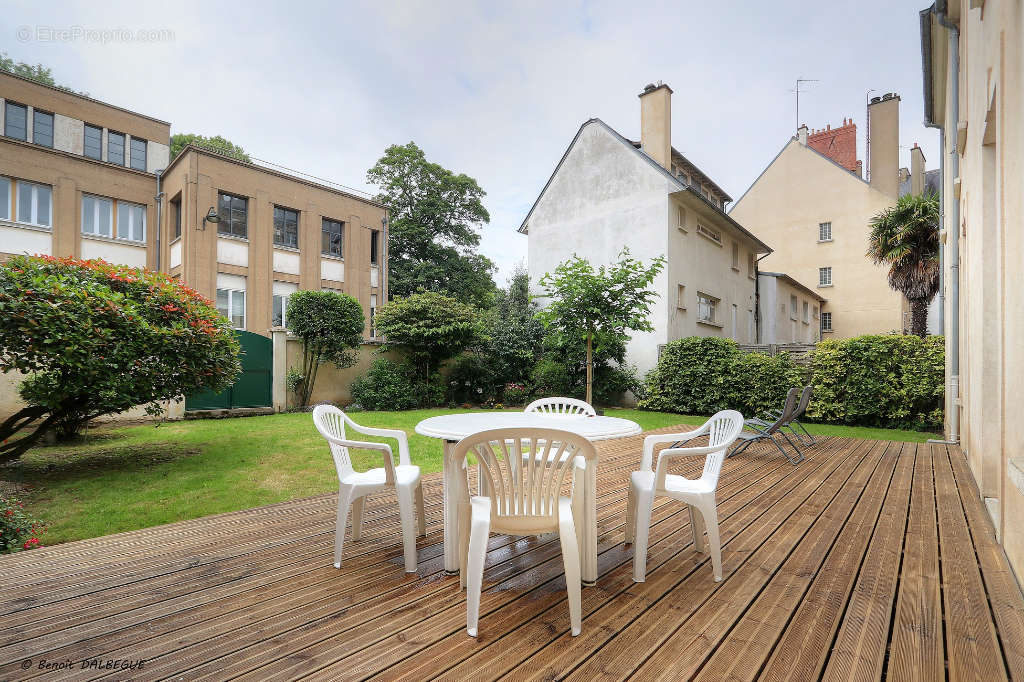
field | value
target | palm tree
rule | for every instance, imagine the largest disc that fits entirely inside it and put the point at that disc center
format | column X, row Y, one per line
column 906, row 238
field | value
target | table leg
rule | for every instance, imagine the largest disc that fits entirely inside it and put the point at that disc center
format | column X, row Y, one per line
column 451, row 512
column 588, row 552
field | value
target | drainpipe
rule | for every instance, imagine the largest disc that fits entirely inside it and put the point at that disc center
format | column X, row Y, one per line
column 757, row 298
column 159, row 215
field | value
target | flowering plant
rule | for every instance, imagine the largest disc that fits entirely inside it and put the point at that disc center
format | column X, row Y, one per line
column 516, row 394
column 18, row 529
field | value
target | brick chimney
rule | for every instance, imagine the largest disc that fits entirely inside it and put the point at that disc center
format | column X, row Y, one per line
column 884, row 129
column 838, row 144
column 917, row 161
column 656, row 123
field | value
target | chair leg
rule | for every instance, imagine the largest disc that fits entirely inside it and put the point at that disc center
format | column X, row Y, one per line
column 571, row 561
column 344, row 501
column 421, row 517
column 579, row 482
column 697, row 526
column 740, row 448
column 799, row 454
column 407, row 514
column 709, row 512
column 644, row 501
column 630, row 529
column 357, row 518
column 804, row 429
column 477, row 553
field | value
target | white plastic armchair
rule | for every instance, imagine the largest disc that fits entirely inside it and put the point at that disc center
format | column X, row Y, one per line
column 523, row 500
column 561, row 407
column 653, row 479
column 354, row 486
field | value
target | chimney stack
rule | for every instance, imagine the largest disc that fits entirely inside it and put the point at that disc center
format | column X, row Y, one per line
column 656, row 123
column 801, row 134
column 884, row 127
column 916, row 171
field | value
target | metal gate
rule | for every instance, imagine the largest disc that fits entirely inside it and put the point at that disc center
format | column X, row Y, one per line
column 253, row 387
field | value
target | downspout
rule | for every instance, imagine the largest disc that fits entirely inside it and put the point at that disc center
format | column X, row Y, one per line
column 159, row 215
column 757, row 298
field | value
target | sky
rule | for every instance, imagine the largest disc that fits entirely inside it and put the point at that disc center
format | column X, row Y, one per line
column 496, row 90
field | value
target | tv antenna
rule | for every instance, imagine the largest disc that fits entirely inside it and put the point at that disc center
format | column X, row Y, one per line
column 797, row 90
column 867, row 134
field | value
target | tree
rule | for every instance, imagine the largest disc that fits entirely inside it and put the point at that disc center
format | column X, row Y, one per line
column 599, row 307
column 429, row 328
column 515, row 333
column 906, row 238
column 98, row 339
column 433, row 236
column 36, row 72
column 215, row 144
column 331, row 328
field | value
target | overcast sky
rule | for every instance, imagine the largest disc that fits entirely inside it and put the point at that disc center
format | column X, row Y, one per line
column 492, row 89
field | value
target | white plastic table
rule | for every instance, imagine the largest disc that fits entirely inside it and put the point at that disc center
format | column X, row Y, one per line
column 451, row 428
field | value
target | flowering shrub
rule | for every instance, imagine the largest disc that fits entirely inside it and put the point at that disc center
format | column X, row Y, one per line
column 516, row 394
column 97, row 339
column 18, row 530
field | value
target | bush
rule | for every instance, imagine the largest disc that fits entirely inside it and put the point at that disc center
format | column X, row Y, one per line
column 760, row 382
column 693, row 376
column 99, row 339
column 515, row 394
column 551, row 378
column 387, row 385
column 471, row 380
column 330, row 325
column 889, row 381
column 612, row 383
column 18, row 529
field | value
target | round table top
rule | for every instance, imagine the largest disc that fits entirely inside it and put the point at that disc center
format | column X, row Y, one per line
column 454, row 427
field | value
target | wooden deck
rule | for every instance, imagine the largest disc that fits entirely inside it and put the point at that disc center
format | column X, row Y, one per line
column 870, row 560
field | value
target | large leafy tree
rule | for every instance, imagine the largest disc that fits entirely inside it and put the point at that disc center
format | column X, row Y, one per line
column 331, row 328
column 215, row 144
column 36, row 72
column 96, row 339
column 435, row 219
column 598, row 307
column 905, row 237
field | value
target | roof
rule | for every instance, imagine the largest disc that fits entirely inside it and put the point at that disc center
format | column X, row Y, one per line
column 696, row 170
column 798, row 285
column 679, row 184
column 263, row 169
column 932, row 183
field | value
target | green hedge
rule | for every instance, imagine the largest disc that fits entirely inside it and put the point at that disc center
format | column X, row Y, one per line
column 885, row 381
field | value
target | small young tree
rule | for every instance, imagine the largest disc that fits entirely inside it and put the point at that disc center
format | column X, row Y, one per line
column 597, row 306
column 429, row 328
column 98, row 339
column 331, row 328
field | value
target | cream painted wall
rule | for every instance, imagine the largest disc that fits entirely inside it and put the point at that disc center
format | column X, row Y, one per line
column 112, row 251
column 777, row 322
column 799, row 190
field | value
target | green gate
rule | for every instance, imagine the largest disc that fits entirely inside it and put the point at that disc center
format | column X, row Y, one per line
column 253, row 387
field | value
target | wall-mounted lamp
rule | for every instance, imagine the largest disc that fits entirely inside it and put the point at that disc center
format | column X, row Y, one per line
column 210, row 217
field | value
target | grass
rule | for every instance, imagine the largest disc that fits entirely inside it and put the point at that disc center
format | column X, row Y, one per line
column 124, row 478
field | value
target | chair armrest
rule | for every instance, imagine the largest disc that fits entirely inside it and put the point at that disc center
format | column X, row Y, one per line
column 383, row 448
column 399, row 435
column 669, row 454
column 647, row 459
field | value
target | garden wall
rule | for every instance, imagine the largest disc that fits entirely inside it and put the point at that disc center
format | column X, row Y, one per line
column 332, row 384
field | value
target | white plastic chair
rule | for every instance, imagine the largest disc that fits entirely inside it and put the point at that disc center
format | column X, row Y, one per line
column 354, row 485
column 561, row 407
column 699, row 494
column 525, row 499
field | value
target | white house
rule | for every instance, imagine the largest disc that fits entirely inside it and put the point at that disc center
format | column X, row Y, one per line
column 608, row 192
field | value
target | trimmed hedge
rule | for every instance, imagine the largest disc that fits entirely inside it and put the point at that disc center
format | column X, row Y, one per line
column 888, row 381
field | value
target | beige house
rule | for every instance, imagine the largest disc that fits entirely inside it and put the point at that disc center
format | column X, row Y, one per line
column 788, row 312
column 608, row 192
column 814, row 207
column 974, row 94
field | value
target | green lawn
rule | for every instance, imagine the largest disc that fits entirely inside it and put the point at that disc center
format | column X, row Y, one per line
column 130, row 477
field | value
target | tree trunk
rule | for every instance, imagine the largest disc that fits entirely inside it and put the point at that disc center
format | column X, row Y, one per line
column 590, row 369
column 919, row 317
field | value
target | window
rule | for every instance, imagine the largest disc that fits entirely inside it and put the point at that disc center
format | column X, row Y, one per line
column 34, row 203
column 706, row 309
column 373, row 316
column 680, row 297
column 5, row 198
column 175, row 205
column 681, row 218
column 705, row 192
column 824, row 232
column 16, row 121
column 752, row 265
column 42, row 128
column 138, row 154
column 332, row 237
column 115, row 147
column 286, row 227
column 97, row 216
column 713, row 235
column 792, row 307
column 825, row 277
column 131, row 221
column 807, row 318
column 231, row 304
column 826, row 322
column 736, row 256
column 374, row 246
column 234, row 212
column 92, row 143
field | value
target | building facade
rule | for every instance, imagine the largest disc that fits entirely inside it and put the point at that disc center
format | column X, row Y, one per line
column 973, row 64
column 608, row 192
column 788, row 311
column 813, row 205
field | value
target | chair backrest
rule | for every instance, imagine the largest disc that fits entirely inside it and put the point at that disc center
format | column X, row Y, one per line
column 524, row 490
column 723, row 428
column 561, row 407
column 788, row 411
column 330, row 422
column 805, row 398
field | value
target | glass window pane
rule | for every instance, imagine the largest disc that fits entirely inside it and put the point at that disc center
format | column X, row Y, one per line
column 5, row 199
column 222, row 302
column 24, row 202
column 139, row 224
column 138, row 154
column 93, row 142
column 43, row 199
column 105, row 217
column 278, row 313
column 88, row 215
column 115, row 148
column 42, row 128
column 16, row 121
column 238, row 309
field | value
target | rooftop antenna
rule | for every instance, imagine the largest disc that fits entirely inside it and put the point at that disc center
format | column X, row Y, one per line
column 867, row 135
column 798, row 91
